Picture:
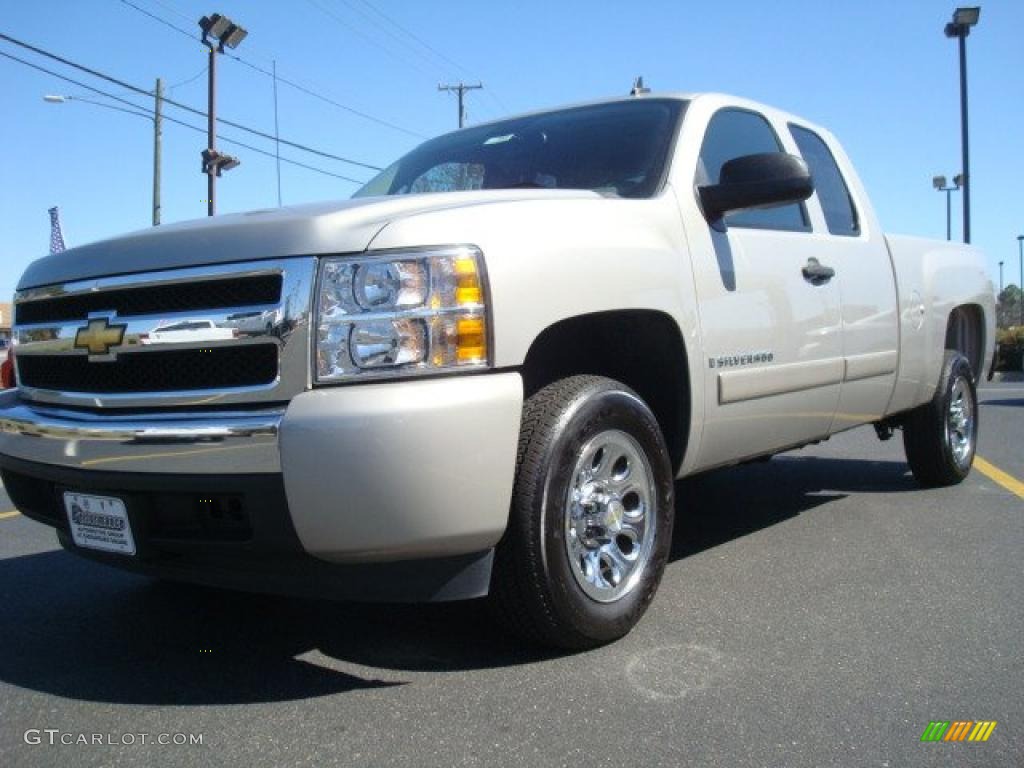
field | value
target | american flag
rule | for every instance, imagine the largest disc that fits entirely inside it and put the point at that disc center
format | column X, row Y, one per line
column 56, row 237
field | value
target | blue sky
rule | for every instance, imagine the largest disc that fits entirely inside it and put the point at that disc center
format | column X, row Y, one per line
column 879, row 74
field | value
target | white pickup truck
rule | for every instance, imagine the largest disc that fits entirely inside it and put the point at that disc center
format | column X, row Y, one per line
column 487, row 370
column 189, row 331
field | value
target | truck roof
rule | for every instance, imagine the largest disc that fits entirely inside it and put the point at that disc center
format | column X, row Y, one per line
column 717, row 100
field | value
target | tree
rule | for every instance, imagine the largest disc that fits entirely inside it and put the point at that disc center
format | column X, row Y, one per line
column 1008, row 307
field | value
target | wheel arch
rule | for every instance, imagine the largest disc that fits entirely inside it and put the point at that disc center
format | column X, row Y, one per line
column 641, row 348
column 965, row 333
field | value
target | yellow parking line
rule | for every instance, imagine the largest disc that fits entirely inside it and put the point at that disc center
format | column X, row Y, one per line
column 994, row 473
column 12, row 513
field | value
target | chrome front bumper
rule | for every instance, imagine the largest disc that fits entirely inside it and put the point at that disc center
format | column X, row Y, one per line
column 372, row 473
column 203, row 443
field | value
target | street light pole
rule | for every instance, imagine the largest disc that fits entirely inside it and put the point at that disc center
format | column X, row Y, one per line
column 949, row 213
column 218, row 31
column 157, row 148
column 1000, row 278
column 960, row 27
column 156, row 118
column 939, row 182
column 1020, row 285
column 211, row 132
column 965, row 151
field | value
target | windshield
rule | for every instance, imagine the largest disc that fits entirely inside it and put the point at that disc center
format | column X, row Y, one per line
column 617, row 149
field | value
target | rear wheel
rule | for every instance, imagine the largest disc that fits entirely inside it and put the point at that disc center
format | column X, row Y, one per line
column 940, row 437
column 591, row 519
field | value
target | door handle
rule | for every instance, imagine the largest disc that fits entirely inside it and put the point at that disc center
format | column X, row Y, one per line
column 816, row 272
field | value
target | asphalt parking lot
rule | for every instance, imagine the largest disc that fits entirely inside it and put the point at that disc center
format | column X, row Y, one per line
column 819, row 610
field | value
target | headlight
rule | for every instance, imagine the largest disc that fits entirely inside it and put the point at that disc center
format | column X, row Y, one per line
column 401, row 312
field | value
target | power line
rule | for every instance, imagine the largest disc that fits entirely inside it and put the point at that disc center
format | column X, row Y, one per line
column 398, row 39
column 352, row 28
column 186, row 107
column 137, row 108
column 376, row 43
column 413, row 35
column 177, row 12
column 194, row 77
column 429, row 47
column 283, row 80
column 439, row 54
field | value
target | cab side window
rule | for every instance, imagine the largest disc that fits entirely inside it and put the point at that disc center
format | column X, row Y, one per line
column 734, row 133
column 836, row 203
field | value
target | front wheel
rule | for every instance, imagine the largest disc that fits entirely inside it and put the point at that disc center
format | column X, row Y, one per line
column 940, row 437
column 591, row 519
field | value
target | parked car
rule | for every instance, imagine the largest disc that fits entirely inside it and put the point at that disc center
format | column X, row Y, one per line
column 188, row 331
column 497, row 359
column 254, row 322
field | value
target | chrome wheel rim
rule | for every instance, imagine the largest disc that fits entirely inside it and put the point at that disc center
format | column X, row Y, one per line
column 611, row 515
column 960, row 422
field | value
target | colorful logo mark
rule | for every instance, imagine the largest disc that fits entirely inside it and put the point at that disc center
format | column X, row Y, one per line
column 958, row 730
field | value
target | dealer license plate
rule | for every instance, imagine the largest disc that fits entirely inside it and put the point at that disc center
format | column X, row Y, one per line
column 99, row 522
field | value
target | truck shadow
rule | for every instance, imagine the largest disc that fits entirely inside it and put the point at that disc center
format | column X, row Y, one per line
column 78, row 630
column 726, row 504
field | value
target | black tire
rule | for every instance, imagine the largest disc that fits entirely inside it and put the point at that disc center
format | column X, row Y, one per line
column 533, row 587
column 927, row 436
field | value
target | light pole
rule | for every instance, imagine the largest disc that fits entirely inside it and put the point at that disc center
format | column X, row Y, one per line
column 939, row 182
column 157, row 120
column 1020, row 285
column 226, row 32
column 960, row 28
column 1000, row 278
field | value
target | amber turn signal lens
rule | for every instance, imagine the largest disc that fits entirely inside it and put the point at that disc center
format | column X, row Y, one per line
column 467, row 290
column 472, row 343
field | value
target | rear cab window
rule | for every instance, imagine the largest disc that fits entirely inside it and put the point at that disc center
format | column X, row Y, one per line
column 834, row 195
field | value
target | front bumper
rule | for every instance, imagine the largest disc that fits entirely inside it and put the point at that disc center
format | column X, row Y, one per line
column 377, row 473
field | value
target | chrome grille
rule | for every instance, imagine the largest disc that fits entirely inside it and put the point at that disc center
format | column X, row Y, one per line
column 236, row 333
column 155, row 299
column 179, row 369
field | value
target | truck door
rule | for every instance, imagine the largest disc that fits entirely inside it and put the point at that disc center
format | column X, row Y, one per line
column 858, row 253
column 770, row 322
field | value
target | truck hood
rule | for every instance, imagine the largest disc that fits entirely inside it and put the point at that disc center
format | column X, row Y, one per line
column 346, row 226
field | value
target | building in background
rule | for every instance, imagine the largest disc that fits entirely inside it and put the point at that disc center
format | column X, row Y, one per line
column 6, row 317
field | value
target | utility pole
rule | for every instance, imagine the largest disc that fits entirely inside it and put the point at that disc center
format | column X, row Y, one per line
column 157, row 120
column 157, row 141
column 277, row 138
column 461, row 89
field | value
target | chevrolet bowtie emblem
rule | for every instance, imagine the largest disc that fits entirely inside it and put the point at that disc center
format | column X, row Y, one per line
column 99, row 336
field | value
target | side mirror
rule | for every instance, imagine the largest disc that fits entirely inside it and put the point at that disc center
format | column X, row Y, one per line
column 755, row 181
